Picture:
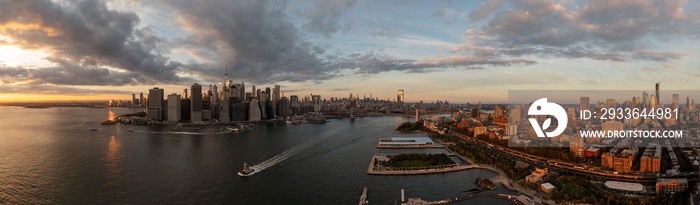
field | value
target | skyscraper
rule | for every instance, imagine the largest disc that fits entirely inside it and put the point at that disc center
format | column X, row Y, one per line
column 316, row 99
column 174, row 111
column 645, row 99
column 276, row 100
column 400, row 98
column 142, row 103
column 133, row 99
column 155, row 104
column 676, row 101
column 196, row 115
column 584, row 103
column 658, row 97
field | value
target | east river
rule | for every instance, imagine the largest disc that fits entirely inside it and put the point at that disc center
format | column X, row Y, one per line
column 50, row 156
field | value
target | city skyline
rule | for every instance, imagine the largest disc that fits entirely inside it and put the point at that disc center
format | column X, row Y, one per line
column 455, row 51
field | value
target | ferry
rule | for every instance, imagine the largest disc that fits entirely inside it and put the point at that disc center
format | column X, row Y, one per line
column 131, row 130
column 93, row 129
column 246, row 171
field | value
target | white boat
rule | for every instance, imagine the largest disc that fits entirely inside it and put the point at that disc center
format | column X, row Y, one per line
column 131, row 130
column 246, row 171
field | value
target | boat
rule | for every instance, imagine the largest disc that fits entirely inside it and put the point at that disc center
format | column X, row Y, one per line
column 93, row 129
column 131, row 130
column 288, row 122
column 363, row 198
column 316, row 119
column 108, row 122
column 246, row 171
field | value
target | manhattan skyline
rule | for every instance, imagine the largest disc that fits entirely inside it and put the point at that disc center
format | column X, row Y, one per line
column 441, row 50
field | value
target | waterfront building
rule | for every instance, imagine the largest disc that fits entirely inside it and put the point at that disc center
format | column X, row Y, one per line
column 196, row 113
column 174, row 111
column 155, row 104
column 254, row 112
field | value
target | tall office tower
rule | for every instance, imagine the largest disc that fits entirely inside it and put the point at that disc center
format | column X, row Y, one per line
column 214, row 102
column 264, row 102
column 224, row 113
column 254, row 93
column 257, row 93
column 254, row 112
column 216, row 94
column 142, row 103
column 269, row 112
column 196, row 114
column 645, row 99
column 610, row 103
column 400, row 98
column 658, row 97
column 133, row 99
column 184, row 94
column 652, row 101
column 676, row 101
column 584, row 103
column 155, row 104
column 242, row 92
column 283, row 106
column 276, row 100
column 236, row 93
column 515, row 114
column 687, row 103
column 316, row 99
column 294, row 104
column 174, row 111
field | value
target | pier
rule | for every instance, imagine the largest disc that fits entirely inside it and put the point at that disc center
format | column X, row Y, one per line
column 422, row 170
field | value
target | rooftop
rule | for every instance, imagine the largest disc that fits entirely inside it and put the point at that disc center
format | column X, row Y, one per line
column 624, row 186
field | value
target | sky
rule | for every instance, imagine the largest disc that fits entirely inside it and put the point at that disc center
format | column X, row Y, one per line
column 459, row 51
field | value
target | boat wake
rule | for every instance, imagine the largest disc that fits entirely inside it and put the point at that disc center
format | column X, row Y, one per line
column 286, row 154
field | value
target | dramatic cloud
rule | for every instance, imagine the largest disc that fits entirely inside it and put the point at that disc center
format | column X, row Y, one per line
column 84, row 35
column 595, row 30
column 255, row 39
column 373, row 62
column 324, row 18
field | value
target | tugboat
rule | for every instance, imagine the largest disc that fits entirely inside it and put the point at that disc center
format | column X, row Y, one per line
column 246, row 171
